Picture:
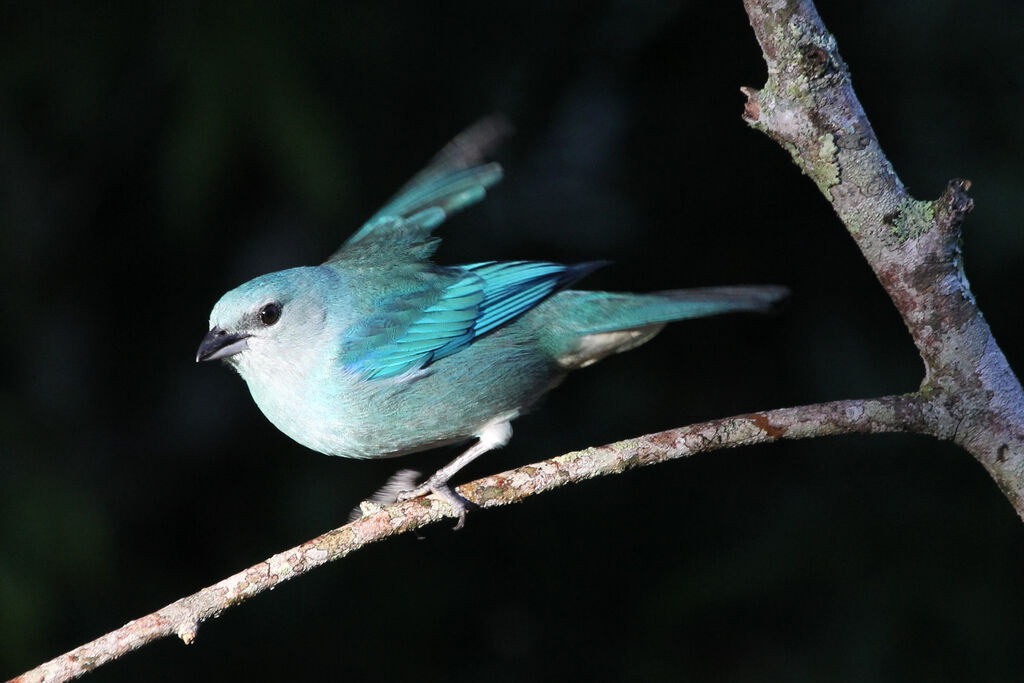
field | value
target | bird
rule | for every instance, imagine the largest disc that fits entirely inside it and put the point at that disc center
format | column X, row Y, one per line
column 379, row 352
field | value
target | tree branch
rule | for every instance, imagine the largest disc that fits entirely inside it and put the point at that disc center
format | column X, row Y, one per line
column 183, row 617
column 969, row 393
column 809, row 107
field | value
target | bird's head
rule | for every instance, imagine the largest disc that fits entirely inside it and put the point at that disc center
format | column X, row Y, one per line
column 271, row 321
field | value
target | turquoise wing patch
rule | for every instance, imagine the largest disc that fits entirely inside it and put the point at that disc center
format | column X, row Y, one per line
column 415, row 331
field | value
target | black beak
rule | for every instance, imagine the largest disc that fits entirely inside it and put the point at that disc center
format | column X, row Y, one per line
column 220, row 343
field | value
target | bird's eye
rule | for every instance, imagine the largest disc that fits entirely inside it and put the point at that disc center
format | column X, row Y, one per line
column 270, row 313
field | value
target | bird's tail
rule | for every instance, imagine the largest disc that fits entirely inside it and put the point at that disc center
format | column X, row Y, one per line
column 585, row 327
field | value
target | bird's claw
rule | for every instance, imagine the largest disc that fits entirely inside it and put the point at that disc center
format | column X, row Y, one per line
column 458, row 504
column 385, row 495
column 364, row 509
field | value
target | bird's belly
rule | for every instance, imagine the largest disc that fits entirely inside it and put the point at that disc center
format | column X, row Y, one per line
column 448, row 401
column 451, row 402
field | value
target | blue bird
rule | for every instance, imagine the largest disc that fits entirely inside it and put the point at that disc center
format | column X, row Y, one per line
column 378, row 352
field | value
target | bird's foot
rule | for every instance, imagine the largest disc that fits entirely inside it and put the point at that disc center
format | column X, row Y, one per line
column 386, row 494
column 364, row 509
column 440, row 487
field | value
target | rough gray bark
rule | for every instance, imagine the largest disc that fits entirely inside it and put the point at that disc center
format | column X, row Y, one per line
column 183, row 617
column 809, row 107
column 969, row 394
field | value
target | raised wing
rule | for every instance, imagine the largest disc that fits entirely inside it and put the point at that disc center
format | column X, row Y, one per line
column 413, row 330
column 454, row 179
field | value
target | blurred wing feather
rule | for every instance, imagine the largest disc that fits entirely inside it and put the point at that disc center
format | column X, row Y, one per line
column 453, row 180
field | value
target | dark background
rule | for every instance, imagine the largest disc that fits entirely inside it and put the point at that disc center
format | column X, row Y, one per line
column 154, row 156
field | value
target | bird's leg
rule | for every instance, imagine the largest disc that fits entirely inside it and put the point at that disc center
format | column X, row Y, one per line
column 387, row 494
column 494, row 435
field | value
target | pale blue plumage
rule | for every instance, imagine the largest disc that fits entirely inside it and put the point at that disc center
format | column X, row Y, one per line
column 379, row 352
